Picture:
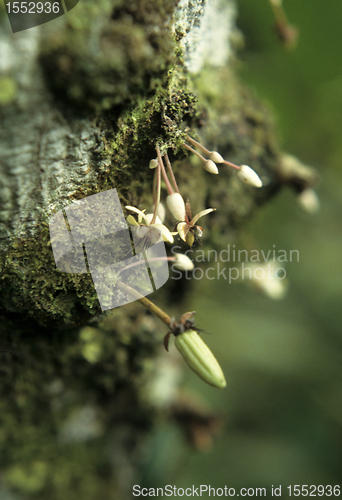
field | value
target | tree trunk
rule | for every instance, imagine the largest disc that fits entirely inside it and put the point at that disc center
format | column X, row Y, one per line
column 84, row 101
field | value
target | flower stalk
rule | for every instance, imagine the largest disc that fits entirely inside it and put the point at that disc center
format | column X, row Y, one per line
column 163, row 171
column 157, row 311
column 245, row 173
column 156, row 192
column 172, row 175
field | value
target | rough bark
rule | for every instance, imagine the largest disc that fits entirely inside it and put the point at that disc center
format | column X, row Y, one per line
column 87, row 98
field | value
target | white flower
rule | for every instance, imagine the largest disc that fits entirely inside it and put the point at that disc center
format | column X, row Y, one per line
column 176, row 206
column 248, row 176
column 200, row 358
column 183, row 228
column 146, row 219
column 183, row 262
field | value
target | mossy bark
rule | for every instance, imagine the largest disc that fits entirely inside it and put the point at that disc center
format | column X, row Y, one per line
column 88, row 98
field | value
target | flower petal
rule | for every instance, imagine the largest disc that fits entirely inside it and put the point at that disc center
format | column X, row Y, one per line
column 200, row 214
column 190, row 238
column 166, row 235
column 183, row 229
column 131, row 221
column 137, row 211
column 149, row 217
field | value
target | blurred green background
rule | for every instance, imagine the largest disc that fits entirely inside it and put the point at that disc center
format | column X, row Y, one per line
column 282, row 359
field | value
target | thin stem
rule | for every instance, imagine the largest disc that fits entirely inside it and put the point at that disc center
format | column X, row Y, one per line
column 169, row 166
column 163, row 171
column 288, row 34
column 279, row 12
column 230, row 164
column 198, row 145
column 195, row 152
column 147, row 303
column 156, row 192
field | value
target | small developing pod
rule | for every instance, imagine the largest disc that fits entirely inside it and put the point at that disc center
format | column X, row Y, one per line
column 200, row 358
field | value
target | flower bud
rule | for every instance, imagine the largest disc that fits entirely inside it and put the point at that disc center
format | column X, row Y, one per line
column 161, row 212
column 216, row 157
column 153, row 164
column 176, row 206
column 183, row 262
column 210, row 167
column 309, row 201
column 200, row 358
column 274, row 288
column 247, row 175
column 268, row 282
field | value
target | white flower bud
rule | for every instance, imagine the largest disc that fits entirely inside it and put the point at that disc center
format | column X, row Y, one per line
column 309, row 201
column 210, row 167
column 265, row 278
column 183, row 262
column 176, row 206
column 153, row 164
column 161, row 211
column 274, row 288
column 216, row 157
column 247, row 175
column 200, row 358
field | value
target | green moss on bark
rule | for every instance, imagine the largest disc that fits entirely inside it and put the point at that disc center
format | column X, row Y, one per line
column 63, row 399
column 110, row 52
